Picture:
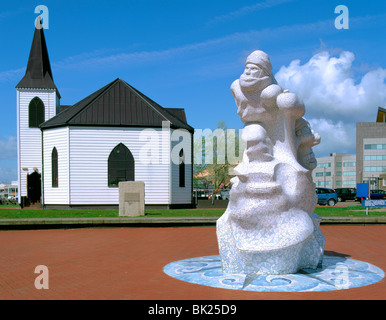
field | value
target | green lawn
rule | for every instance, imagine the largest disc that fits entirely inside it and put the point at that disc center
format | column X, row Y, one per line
column 351, row 211
column 13, row 212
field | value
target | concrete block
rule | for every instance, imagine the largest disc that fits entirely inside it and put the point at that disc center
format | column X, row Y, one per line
column 131, row 198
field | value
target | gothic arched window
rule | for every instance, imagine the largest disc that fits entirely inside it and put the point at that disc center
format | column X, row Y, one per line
column 35, row 113
column 120, row 165
column 182, row 168
column 54, row 168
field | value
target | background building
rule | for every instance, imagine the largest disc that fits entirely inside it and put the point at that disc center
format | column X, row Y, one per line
column 336, row 171
column 371, row 151
column 368, row 165
column 8, row 192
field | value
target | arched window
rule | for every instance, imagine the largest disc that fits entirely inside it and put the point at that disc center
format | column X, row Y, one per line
column 182, row 168
column 35, row 113
column 120, row 165
column 54, row 167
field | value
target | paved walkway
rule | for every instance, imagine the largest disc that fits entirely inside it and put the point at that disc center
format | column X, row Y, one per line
column 127, row 263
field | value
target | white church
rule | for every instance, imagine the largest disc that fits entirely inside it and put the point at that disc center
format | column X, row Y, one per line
column 75, row 156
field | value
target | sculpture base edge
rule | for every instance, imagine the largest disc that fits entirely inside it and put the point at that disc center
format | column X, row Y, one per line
column 286, row 260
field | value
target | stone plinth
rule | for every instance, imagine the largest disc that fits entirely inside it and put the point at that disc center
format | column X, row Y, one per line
column 131, row 198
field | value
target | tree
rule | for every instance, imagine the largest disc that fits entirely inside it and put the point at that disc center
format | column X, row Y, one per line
column 215, row 152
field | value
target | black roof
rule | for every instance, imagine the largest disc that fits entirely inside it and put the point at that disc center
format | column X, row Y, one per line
column 38, row 73
column 118, row 104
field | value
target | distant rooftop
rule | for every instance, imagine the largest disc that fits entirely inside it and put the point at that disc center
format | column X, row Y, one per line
column 381, row 116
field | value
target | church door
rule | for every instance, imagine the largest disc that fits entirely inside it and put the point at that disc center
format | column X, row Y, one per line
column 34, row 187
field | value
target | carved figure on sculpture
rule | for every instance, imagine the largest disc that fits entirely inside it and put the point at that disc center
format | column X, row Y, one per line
column 269, row 226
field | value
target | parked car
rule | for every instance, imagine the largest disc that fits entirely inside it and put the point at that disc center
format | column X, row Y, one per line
column 377, row 194
column 326, row 196
column 346, row 194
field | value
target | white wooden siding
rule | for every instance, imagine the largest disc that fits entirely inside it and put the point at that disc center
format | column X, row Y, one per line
column 181, row 139
column 58, row 138
column 30, row 139
column 89, row 152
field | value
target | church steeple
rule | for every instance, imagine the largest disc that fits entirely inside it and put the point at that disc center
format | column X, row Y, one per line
column 38, row 73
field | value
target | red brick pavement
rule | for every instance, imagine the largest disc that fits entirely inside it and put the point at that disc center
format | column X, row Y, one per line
column 127, row 263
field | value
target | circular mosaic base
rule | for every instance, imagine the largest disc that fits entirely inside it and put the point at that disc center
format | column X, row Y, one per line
column 336, row 273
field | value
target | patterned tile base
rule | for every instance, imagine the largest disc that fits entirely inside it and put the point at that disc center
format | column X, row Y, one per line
column 336, row 273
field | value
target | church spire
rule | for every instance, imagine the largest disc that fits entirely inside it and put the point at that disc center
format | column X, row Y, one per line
column 38, row 73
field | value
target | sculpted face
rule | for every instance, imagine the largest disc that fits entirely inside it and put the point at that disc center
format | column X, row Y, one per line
column 253, row 78
column 307, row 139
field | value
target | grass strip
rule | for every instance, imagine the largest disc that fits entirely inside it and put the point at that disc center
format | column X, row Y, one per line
column 8, row 212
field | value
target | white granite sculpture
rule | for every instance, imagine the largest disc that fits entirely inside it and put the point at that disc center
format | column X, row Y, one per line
column 269, row 226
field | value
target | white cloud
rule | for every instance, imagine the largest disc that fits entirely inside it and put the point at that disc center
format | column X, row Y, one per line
column 11, row 75
column 335, row 137
column 247, row 10
column 103, row 58
column 327, row 86
column 334, row 100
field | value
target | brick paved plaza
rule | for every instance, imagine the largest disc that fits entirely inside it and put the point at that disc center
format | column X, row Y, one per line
column 127, row 263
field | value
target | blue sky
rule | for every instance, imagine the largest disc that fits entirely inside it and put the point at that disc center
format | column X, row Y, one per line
column 186, row 54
